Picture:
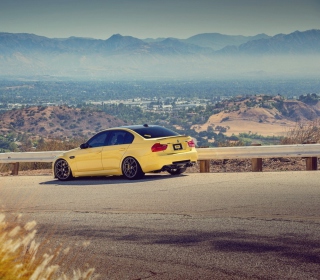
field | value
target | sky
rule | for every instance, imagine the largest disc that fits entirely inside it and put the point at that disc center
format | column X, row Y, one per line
column 142, row 19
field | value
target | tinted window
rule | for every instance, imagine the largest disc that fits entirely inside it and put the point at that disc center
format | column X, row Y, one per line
column 154, row 131
column 119, row 137
column 128, row 138
column 98, row 140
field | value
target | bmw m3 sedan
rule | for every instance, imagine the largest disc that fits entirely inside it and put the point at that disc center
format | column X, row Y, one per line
column 130, row 151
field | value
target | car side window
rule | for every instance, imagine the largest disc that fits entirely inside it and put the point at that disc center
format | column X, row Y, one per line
column 119, row 137
column 98, row 140
column 128, row 138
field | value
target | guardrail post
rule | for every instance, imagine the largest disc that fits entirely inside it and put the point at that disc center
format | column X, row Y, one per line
column 311, row 162
column 256, row 163
column 205, row 166
column 15, row 168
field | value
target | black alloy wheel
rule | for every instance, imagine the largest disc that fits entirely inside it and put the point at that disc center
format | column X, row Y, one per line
column 62, row 170
column 131, row 169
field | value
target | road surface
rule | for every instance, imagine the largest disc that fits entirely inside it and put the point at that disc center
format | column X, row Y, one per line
column 194, row 226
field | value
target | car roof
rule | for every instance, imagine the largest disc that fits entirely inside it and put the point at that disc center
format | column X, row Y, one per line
column 139, row 126
column 148, row 131
column 135, row 126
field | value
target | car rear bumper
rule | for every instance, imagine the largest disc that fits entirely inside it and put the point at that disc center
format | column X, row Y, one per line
column 178, row 164
column 161, row 162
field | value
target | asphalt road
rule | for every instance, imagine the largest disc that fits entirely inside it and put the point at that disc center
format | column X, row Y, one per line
column 194, row 226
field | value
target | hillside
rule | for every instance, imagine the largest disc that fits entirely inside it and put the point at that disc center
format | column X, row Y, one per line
column 262, row 114
column 56, row 121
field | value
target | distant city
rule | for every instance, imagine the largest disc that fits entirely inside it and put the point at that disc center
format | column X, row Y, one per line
column 146, row 95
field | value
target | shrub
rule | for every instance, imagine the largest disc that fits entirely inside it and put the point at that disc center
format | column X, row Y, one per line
column 225, row 119
column 303, row 133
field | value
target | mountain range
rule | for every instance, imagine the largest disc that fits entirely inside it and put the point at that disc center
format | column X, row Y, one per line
column 203, row 55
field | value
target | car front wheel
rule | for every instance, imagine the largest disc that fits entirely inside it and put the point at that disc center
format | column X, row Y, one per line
column 131, row 169
column 62, row 170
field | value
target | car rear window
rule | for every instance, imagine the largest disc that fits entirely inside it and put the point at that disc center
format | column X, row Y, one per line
column 154, row 132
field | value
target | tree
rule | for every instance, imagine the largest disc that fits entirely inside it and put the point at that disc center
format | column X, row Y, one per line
column 310, row 99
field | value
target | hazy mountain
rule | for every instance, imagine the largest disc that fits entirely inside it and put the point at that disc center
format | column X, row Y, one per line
column 25, row 43
column 151, row 40
column 122, row 57
column 295, row 43
column 175, row 46
column 307, row 42
column 218, row 41
column 117, row 43
column 215, row 41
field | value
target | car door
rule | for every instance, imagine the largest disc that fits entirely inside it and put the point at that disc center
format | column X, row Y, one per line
column 89, row 159
column 112, row 154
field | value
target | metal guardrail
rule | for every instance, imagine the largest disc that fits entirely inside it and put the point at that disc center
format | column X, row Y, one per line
column 299, row 150
column 309, row 151
column 256, row 153
column 29, row 156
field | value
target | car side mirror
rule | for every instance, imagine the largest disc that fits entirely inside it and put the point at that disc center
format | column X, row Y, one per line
column 84, row 146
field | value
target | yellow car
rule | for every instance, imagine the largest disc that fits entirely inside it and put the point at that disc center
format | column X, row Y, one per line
column 130, row 151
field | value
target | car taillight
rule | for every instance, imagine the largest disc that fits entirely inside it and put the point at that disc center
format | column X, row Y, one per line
column 191, row 143
column 157, row 147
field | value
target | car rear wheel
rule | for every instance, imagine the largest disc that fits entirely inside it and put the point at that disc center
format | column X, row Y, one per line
column 177, row 171
column 131, row 169
column 62, row 170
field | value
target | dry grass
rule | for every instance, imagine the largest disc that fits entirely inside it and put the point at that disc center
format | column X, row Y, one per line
column 20, row 258
column 241, row 122
column 308, row 132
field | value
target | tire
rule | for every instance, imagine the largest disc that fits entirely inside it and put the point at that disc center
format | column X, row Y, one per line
column 131, row 169
column 62, row 170
column 177, row 171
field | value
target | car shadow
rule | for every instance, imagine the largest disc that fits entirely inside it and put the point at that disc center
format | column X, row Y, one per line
column 107, row 180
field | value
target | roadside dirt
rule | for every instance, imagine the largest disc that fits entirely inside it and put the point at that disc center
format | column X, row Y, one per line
column 39, row 172
column 244, row 165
